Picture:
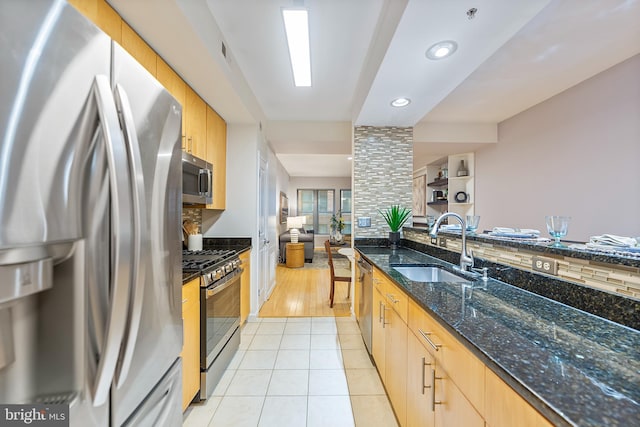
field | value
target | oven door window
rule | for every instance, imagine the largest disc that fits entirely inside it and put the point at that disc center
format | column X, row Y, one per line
column 222, row 315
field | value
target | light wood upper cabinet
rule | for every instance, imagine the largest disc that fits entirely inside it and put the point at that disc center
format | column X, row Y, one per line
column 195, row 124
column 217, row 156
column 176, row 87
column 139, row 49
column 245, row 286
column 191, row 341
column 101, row 14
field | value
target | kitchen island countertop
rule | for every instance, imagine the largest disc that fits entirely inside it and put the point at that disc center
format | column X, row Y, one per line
column 573, row 367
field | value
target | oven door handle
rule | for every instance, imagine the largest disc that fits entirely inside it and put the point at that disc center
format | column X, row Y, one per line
column 228, row 281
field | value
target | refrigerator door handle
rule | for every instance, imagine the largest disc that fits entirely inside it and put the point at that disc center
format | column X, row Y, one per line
column 139, row 226
column 118, row 167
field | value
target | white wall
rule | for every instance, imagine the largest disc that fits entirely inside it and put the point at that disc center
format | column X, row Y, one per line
column 239, row 219
column 576, row 154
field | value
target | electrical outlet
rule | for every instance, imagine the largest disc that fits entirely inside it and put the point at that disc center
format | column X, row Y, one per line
column 545, row 265
column 442, row 242
column 434, row 241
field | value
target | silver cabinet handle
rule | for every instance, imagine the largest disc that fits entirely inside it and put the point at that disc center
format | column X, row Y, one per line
column 425, row 335
column 185, row 300
column 433, row 391
column 424, row 368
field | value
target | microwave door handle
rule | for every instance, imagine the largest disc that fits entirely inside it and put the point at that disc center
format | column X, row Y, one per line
column 204, row 182
column 138, row 275
column 120, row 182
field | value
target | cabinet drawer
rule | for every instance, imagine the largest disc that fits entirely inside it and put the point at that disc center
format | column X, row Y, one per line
column 379, row 282
column 398, row 300
column 426, row 329
column 464, row 369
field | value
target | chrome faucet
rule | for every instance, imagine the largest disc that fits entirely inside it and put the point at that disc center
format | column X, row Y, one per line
column 466, row 259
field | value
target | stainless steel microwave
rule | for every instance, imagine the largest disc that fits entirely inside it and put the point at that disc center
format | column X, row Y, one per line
column 197, row 180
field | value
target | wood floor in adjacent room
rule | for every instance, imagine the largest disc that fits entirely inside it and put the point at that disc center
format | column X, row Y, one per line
column 304, row 292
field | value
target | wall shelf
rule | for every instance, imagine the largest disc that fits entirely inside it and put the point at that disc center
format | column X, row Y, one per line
column 439, row 183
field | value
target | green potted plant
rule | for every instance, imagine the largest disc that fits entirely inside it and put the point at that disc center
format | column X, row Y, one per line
column 336, row 223
column 395, row 216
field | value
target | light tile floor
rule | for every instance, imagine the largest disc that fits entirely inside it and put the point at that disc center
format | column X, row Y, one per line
column 310, row 371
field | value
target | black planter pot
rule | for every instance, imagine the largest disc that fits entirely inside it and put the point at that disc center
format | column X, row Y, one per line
column 394, row 239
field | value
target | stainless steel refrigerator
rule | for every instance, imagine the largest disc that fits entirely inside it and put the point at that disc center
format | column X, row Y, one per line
column 90, row 206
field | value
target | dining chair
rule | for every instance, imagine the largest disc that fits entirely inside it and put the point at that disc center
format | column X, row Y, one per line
column 339, row 275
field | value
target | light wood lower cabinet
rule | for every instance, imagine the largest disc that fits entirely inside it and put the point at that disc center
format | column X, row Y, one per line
column 396, row 363
column 377, row 331
column 430, row 377
column 245, row 286
column 420, row 412
column 507, row 408
column 191, row 341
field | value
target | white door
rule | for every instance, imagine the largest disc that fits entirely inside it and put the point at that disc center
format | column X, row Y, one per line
column 263, row 236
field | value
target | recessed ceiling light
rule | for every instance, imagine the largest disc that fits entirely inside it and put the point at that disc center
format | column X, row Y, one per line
column 442, row 49
column 400, row 102
column 296, row 24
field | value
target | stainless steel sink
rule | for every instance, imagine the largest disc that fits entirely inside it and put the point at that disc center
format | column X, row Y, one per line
column 429, row 273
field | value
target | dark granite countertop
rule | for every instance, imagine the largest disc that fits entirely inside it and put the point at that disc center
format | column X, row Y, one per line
column 238, row 244
column 187, row 277
column 574, row 367
column 621, row 258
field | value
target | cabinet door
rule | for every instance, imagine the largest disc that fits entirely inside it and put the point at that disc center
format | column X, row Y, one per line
column 245, row 286
column 101, row 14
column 419, row 392
column 506, row 408
column 216, row 146
column 378, row 332
column 451, row 407
column 196, row 124
column 176, row 87
column 139, row 49
column 191, row 341
column 396, row 363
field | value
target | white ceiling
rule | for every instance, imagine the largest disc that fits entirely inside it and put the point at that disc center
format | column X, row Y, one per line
column 511, row 56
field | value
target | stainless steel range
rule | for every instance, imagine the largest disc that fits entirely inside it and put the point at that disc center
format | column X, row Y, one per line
column 220, row 272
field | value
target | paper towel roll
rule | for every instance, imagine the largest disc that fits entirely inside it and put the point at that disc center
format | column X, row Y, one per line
column 195, row 242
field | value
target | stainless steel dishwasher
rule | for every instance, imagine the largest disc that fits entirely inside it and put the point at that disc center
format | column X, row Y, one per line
column 365, row 282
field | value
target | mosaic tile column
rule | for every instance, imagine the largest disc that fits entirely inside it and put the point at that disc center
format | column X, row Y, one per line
column 382, row 176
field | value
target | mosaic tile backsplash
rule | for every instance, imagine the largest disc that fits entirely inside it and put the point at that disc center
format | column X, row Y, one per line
column 619, row 279
column 383, row 174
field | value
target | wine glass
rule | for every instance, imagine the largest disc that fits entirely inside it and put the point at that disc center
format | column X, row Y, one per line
column 557, row 227
column 430, row 221
column 472, row 223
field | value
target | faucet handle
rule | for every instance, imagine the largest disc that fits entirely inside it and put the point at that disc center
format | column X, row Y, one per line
column 484, row 271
